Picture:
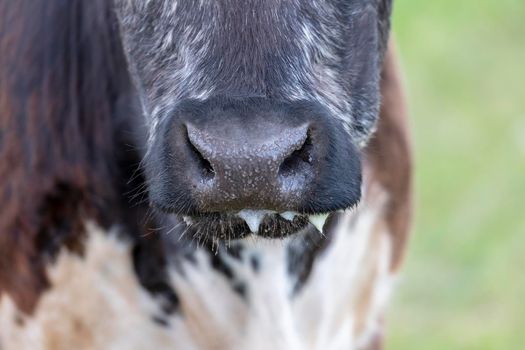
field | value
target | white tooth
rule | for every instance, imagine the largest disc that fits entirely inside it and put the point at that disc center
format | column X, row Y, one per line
column 289, row 215
column 187, row 220
column 253, row 218
column 318, row 221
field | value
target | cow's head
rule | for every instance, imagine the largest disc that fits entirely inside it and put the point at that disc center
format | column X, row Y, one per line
column 256, row 109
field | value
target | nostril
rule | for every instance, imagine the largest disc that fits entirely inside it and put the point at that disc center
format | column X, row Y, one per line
column 297, row 159
column 203, row 164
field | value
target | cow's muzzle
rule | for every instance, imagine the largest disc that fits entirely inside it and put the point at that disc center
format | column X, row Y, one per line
column 274, row 165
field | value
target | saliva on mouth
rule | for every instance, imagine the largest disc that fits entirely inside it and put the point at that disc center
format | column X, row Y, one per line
column 250, row 222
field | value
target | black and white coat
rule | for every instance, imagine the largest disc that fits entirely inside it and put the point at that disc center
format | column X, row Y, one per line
column 84, row 266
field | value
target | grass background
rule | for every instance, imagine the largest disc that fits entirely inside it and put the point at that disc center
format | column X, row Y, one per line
column 463, row 283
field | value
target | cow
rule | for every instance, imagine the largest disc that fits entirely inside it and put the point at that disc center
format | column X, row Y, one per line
column 200, row 174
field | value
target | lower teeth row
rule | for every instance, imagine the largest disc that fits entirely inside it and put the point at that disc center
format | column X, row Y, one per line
column 253, row 218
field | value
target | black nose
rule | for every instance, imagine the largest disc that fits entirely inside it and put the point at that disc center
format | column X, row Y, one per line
column 225, row 155
column 259, row 165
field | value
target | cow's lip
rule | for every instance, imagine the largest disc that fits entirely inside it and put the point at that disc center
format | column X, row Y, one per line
column 249, row 222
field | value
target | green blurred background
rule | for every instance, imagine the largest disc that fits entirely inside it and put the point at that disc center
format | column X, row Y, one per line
column 463, row 283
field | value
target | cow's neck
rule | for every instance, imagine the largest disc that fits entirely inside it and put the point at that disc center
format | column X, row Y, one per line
column 296, row 293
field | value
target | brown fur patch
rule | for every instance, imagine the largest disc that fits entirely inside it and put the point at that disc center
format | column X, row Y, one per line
column 59, row 80
column 95, row 302
column 389, row 155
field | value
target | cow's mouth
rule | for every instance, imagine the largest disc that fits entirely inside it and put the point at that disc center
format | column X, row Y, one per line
column 247, row 222
column 231, row 167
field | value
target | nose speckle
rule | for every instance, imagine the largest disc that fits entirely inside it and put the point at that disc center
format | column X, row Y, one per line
column 258, row 147
column 266, row 164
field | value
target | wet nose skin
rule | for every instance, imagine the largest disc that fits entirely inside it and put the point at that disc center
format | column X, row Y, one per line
column 228, row 154
column 263, row 165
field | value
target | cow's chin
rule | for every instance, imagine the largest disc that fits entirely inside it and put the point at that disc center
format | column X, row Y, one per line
column 217, row 227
